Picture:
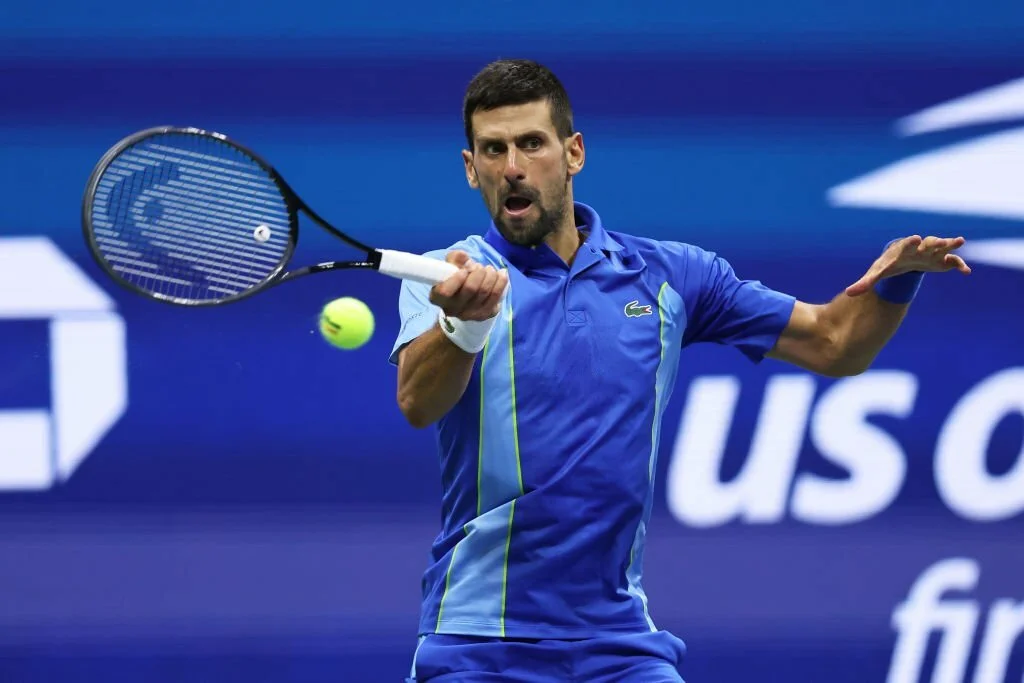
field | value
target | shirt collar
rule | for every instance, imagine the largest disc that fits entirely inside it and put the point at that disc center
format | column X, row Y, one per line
column 522, row 257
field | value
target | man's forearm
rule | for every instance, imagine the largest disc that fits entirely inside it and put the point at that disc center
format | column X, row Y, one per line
column 433, row 373
column 844, row 336
column 861, row 326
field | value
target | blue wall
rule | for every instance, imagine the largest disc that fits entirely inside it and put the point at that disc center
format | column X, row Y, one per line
column 260, row 511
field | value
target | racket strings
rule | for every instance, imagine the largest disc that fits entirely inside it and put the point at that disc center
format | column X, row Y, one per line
column 178, row 215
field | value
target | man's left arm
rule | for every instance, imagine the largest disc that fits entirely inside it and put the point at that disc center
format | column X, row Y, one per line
column 844, row 336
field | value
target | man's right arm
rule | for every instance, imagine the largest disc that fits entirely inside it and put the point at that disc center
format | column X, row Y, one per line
column 433, row 373
column 434, row 369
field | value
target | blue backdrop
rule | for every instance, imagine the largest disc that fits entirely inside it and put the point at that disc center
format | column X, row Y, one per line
column 197, row 495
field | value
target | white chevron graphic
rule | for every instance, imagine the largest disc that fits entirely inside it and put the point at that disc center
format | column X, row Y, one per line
column 979, row 177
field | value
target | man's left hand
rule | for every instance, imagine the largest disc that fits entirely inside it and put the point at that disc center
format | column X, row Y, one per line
column 929, row 255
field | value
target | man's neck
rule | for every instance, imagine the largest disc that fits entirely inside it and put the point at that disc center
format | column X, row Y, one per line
column 567, row 239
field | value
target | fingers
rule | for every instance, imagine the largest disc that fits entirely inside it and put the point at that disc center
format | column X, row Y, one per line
column 940, row 244
column 954, row 261
column 879, row 269
column 492, row 304
column 925, row 254
column 862, row 285
column 910, row 242
column 473, row 292
column 490, row 276
column 457, row 258
column 935, row 251
column 444, row 291
column 486, row 288
column 463, row 300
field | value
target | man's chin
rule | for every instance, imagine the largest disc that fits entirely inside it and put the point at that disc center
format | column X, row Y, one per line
column 523, row 235
column 514, row 231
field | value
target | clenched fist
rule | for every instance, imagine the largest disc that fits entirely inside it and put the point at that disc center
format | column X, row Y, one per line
column 473, row 292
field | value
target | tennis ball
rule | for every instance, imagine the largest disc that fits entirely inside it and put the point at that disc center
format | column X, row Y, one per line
column 346, row 323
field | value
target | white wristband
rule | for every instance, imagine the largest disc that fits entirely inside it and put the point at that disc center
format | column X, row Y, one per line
column 468, row 335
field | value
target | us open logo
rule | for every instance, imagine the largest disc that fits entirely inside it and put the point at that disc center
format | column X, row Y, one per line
column 979, row 177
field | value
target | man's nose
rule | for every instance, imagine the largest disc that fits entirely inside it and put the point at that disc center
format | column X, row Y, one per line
column 513, row 169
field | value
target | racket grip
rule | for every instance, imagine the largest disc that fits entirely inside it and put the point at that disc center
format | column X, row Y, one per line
column 406, row 266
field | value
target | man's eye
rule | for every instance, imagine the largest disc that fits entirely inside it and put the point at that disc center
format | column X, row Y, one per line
column 531, row 143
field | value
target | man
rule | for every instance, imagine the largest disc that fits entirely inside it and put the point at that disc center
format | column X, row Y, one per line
column 546, row 362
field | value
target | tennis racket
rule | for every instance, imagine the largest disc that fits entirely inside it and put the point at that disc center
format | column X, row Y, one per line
column 189, row 217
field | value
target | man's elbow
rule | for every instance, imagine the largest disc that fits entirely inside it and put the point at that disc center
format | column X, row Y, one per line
column 839, row 361
column 844, row 368
column 413, row 411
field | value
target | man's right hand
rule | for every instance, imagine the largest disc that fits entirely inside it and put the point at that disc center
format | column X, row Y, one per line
column 473, row 292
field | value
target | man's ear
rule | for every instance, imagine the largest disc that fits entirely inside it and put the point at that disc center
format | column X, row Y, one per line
column 575, row 153
column 471, row 177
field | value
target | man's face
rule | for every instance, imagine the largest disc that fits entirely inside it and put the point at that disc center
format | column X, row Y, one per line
column 522, row 169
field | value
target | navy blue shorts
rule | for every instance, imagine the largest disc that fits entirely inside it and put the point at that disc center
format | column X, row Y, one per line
column 633, row 658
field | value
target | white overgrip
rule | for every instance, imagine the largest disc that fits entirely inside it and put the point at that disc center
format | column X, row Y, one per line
column 406, row 266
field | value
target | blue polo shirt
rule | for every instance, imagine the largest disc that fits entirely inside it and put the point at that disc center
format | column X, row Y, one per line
column 548, row 459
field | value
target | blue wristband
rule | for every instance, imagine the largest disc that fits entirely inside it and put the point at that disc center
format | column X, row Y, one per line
column 900, row 289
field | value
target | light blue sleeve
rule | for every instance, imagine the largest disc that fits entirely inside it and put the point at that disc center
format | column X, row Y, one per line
column 414, row 308
column 415, row 311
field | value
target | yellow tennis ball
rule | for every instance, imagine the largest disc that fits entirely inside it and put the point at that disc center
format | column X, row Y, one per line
column 346, row 323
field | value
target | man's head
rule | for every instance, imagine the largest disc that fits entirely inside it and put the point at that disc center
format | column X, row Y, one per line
column 522, row 150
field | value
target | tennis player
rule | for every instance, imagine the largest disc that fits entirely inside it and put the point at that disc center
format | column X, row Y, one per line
column 545, row 364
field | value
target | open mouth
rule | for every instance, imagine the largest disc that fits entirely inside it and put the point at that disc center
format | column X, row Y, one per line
column 516, row 206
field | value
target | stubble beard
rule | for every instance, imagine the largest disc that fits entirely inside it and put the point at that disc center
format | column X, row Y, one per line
column 530, row 233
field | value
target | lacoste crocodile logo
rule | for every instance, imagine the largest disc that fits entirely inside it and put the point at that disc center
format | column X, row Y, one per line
column 635, row 310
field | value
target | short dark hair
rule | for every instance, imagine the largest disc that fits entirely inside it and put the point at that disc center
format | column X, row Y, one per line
column 509, row 82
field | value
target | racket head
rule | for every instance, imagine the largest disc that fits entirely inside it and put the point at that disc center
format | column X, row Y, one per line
column 172, row 213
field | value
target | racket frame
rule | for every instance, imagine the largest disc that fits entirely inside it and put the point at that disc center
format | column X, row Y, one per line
column 293, row 203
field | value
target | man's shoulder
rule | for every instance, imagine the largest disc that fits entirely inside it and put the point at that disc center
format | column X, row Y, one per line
column 668, row 252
